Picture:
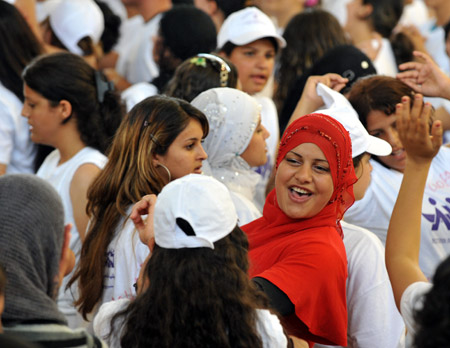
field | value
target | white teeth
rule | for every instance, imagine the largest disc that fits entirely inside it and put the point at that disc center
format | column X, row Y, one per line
column 299, row 190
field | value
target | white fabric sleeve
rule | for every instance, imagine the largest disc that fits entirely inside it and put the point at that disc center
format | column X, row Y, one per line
column 411, row 301
column 270, row 330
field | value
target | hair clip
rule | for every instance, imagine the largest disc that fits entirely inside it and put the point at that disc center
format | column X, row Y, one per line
column 224, row 67
column 199, row 61
column 153, row 138
column 102, row 86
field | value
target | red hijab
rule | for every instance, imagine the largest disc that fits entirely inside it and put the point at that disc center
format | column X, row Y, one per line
column 305, row 258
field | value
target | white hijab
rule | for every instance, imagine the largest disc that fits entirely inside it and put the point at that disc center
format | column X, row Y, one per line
column 233, row 117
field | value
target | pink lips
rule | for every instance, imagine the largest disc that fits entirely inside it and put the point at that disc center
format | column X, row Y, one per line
column 294, row 196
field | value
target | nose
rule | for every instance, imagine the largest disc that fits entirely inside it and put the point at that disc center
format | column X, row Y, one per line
column 304, row 174
column 202, row 153
column 370, row 166
column 24, row 111
column 263, row 62
column 393, row 139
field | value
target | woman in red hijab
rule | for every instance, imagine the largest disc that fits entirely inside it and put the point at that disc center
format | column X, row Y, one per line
column 296, row 250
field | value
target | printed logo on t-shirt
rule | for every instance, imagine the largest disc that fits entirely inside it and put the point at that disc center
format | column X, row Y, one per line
column 110, row 259
column 441, row 215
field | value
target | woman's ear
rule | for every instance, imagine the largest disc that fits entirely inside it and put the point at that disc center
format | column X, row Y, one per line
column 155, row 160
column 364, row 11
column 222, row 54
column 66, row 109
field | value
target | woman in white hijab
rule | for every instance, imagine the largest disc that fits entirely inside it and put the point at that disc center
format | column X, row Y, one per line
column 236, row 143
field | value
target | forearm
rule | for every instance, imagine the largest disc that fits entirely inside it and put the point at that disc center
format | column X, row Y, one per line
column 403, row 237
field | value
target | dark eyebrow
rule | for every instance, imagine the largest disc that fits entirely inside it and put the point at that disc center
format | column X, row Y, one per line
column 315, row 159
column 192, row 139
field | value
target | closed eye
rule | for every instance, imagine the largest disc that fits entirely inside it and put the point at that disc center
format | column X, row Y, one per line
column 293, row 161
column 321, row 169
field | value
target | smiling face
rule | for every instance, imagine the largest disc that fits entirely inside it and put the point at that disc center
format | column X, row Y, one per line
column 382, row 126
column 256, row 152
column 185, row 155
column 303, row 182
column 254, row 63
column 44, row 119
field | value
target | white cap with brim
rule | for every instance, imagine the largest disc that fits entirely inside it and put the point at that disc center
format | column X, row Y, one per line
column 338, row 107
column 247, row 25
column 194, row 211
column 72, row 20
column 44, row 8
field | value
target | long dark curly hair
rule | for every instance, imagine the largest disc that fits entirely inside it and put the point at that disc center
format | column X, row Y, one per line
column 196, row 297
column 434, row 318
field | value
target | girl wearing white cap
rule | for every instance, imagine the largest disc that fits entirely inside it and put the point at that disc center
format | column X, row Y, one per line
column 196, row 291
column 158, row 141
column 70, row 107
column 250, row 40
column 236, row 142
column 76, row 26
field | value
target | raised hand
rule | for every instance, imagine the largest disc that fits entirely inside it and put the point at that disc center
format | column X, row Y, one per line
column 426, row 78
column 142, row 216
column 413, row 126
column 310, row 101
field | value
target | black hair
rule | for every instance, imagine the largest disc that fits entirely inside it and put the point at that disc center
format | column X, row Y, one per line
column 433, row 318
column 385, row 15
column 98, row 111
column 197, row 297
column 2, row 281
column 18, row 46
column 230, row 6
column 190, row 79
column 185, row 31
column 228, row 47
column 111, row 32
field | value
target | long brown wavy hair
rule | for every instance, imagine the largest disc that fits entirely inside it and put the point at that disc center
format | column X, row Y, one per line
column 197, row 297
column 149, row 128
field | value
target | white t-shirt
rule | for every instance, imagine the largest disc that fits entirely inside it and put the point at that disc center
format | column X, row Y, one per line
column 137, row 93
column 268, row 325
column 384, row 62
column 125, row 256
column 135, row 60
column 373, row 318
column 60, row 177
column 411, row 301
column 435, row 44
column 17, row 150
column 374, row 210
column 269, row 119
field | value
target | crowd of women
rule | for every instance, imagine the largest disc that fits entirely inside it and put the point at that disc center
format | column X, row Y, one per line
column 216, row 173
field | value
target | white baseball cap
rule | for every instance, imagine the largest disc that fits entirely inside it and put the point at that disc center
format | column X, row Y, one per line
column 338, row 107
column 72, row 20
column 193, row 212
column 44, row 8
column 247, row 25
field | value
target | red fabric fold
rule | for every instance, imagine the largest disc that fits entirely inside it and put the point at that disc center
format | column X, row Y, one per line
column 305, row 258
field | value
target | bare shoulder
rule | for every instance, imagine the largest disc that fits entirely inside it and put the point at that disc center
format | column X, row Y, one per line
column 84, row 175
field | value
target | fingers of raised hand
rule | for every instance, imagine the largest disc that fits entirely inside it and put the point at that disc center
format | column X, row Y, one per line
column 436, row 134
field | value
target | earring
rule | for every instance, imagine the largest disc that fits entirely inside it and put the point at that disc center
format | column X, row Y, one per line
column 167, row 170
